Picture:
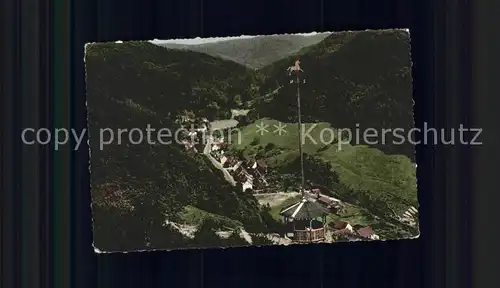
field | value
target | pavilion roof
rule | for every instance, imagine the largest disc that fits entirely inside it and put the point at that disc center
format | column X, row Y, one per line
column 304, row 210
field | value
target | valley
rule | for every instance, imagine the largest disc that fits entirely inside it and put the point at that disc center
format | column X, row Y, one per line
column 203, row 197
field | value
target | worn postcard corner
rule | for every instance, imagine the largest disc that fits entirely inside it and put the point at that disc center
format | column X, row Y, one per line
column 251, row 140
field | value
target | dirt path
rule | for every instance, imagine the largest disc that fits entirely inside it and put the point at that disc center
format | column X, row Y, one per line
column 217, row 125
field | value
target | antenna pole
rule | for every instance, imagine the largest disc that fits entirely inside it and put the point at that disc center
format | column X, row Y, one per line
column 300, row 139
column 296, row 69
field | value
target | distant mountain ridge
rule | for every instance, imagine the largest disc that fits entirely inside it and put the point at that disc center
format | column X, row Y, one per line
column 256, row 52
column 352, row 78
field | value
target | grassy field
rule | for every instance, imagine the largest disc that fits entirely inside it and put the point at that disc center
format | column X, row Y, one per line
column 353, row 215
column 361, row 168
column 288, row 140
column 368, row 169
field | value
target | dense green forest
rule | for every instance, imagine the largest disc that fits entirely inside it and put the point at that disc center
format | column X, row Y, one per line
column 165, row 80
column 136, row 187
column 351, row 78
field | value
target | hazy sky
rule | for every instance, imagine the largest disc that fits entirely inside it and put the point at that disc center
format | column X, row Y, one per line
column 198, row 40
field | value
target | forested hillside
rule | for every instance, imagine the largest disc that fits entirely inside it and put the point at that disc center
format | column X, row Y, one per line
column 135, row 188
column 165, row 80
column 351, row 78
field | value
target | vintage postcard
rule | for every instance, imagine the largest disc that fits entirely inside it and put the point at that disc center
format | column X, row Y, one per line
column 251, row 140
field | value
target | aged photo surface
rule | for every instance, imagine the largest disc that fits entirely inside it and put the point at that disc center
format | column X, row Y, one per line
column 251, row 140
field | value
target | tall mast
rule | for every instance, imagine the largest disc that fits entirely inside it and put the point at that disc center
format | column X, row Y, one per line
column 303, row 178
column 296, row 69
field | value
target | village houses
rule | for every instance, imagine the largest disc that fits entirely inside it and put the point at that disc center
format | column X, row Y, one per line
column 250, row 174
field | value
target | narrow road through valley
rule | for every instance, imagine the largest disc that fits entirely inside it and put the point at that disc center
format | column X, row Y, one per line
column 217, row 164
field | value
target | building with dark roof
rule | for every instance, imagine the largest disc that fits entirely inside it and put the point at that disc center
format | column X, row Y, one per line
column 305, row 220
column 316, row 191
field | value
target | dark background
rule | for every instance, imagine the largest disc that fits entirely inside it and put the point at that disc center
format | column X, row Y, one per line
column 46, row 224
